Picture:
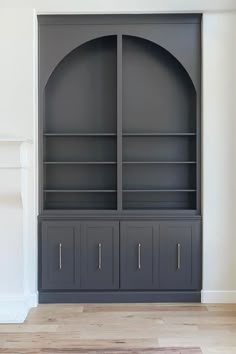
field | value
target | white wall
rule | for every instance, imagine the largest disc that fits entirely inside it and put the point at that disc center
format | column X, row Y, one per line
column 18, row 122
column 219, row 160
column 17, row 183
column 72, row 6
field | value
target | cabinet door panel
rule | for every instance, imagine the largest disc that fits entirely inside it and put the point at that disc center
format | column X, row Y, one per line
column 100, row 256
column 60, row 255
column 180, row 256
column 139, row 255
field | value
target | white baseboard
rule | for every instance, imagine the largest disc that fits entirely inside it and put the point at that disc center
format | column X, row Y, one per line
column 14, row 308
column 218, row 296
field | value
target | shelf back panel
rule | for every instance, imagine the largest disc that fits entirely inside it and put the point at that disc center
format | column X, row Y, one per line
column 74, row 177
column 154, row 177
column 80, row 95
column 82, row 201
column 158, row 94
column 159, row 148
column 80, row 149
column 159, row 201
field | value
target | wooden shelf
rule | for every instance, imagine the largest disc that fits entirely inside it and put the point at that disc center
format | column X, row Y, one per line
column 158, row 134
column 80, row 162
column 79, row 190
column 159, row 190
column 78, row 134
column 159, row 162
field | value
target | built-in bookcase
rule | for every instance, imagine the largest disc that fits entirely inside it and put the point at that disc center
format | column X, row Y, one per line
column 120, row 129
column 119, row 158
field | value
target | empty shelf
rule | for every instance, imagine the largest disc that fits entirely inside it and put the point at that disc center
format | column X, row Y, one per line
column 79, row 190
column 79, row 162
column 159, row 190
column 78, row 134
column 159, row 162
column 159, row 134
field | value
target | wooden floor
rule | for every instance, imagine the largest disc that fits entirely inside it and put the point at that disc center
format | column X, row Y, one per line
column 111, row 328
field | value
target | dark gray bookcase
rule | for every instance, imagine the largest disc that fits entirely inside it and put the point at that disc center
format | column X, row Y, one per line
column 119, row 140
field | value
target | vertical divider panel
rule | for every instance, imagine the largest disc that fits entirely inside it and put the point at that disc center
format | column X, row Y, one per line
column 198, row 155
column 119, row 121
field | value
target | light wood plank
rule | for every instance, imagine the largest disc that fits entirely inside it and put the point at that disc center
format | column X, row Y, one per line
column 123, row 328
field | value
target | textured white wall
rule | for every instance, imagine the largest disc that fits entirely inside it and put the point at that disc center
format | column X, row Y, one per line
column 18, row 120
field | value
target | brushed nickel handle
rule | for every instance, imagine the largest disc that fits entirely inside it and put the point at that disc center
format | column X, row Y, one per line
column 178, row 256
column 99, row 256
column 60, row 256
column 139, row 256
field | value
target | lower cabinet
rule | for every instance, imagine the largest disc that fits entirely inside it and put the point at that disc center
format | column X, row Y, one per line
column 80, row 255
column 139, row 255
column 60, row 255
column 125, row 256
column 100, row 255
column 180, row 256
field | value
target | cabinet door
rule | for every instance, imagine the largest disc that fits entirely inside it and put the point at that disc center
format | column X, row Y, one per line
column 180, row 256
column 100, row 256
column 139, row 255
column 60, row 255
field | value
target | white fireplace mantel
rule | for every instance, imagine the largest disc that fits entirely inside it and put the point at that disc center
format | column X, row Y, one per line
column 18, row 157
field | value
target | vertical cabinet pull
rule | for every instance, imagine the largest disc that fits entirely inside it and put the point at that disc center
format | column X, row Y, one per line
column 99, row 256
column 139, row 256
column 60, row 256
column 178, row 256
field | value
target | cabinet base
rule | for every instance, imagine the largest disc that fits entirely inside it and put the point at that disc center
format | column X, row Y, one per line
column 119, row 297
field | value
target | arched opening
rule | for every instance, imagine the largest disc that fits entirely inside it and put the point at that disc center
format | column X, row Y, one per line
column 80, row 95
column 158, row 94
column 158, row 128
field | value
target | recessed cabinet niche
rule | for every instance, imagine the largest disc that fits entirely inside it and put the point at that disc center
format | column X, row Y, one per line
column 80, row 129
column 119, row 138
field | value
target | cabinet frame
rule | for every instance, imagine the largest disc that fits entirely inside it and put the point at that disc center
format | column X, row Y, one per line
column 129, row 270
column 191, row 242
column 45, row 252
column 122, row 25
column 117, row 293
column 107, row 278
column 77, row 30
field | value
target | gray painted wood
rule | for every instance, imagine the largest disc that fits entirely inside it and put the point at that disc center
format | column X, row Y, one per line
column 120, row 141
column 139, row 255
column 134, row 72
column 177, row 36
column 154, row 268
column 119, row 296
column 180, row 255
column 60, row 255
column 119, row 121
column 100, row 255
column 158, row 95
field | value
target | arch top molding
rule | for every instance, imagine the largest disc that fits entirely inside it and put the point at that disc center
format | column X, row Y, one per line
column 124, row 35
column 61, row 35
